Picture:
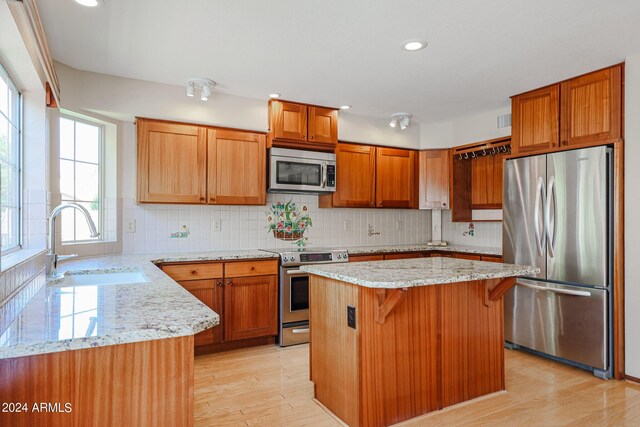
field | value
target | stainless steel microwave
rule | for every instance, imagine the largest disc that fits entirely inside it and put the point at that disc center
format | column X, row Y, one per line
column 301, row 171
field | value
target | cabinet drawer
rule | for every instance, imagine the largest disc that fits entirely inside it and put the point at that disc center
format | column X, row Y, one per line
column 361, row 258
column 405, row 255
column 193, row 271
column 490, row 258
column 253, row 268
column 467, row 256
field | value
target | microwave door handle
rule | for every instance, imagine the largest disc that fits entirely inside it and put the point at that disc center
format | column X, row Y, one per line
column 323, row 184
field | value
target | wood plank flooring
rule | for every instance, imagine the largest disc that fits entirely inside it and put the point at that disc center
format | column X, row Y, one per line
column 269, row 386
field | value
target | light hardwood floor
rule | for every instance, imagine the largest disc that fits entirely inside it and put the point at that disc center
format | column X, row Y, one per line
column 270, row 386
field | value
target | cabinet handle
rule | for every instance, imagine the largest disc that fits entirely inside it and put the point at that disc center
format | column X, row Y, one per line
column 379, row 203
column 229, row 282
column 565, row 142
column 219, row 283
column 444, row 204
column 202, row 199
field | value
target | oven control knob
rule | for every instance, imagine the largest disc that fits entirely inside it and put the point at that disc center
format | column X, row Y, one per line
column 284, row 258
column 339, row 256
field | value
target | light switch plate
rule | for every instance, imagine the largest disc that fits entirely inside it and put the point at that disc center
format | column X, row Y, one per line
column 217, row 224
column 347, row 225
column 399, row 225
column 130, row 226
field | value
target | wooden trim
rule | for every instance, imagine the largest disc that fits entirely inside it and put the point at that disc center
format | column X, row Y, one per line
column 566, row 80
column 27, row 18
column 618, row 261
column 315, row 146
column 633, row 379
column 387, row 301
column 50, row 97
column 302, row 103
column 204, row 125
column 502, row 287
column 233, row 345
column 560, row 149
column 476, row 146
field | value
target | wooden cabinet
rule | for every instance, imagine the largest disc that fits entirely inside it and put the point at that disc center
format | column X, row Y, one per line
column 468, row 256
column 236, row 167
column 486, row 182
column 189, row 164
column 243, row 293
column 579, row 112
column 302, row 126
column 369, row 177
column 434, row 179
column 210, row 292
column 355, row 177
column 491, row 258
column 323, row 125
column 172, row 161
column 404, row 255
column 536, row 120
column 250, row 307
column 591, row 108
column 395, row 178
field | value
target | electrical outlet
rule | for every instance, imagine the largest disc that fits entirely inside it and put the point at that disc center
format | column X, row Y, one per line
column 217, row 224
column 131, row 226
column 399, row 225
column 351, row 316
column 347, row 225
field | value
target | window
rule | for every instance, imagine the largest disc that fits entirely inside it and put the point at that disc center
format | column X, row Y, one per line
column 81, row 145
column 10, row 164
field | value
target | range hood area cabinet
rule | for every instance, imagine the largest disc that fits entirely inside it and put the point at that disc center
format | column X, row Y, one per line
column 295, row 125
column 373, row 177
column 579, row 112
column 183, row 163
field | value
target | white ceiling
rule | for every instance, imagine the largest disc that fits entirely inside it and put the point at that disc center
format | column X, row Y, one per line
column 335, row 52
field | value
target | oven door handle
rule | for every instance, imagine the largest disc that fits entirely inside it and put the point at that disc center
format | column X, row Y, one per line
column 296, row 272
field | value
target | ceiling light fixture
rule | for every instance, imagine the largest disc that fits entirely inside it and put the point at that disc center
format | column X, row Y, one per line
column 274, row 95
column 88, row 3
column 412, row 45
column 345, row 107
column 205, row 86
column 400, row 119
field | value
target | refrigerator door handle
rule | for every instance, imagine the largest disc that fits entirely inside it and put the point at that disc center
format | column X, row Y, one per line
column 557, row 291
column 551, row 236
column 537, row 207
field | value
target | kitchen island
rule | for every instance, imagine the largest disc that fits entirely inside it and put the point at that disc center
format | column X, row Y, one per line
column 392, row 340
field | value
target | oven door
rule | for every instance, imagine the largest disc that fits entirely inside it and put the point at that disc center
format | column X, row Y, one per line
column 300, row 174
column 294, row 295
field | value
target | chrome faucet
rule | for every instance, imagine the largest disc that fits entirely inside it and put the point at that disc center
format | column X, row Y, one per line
column 52, row 257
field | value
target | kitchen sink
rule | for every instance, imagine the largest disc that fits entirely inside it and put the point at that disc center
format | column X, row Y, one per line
column 97, row 277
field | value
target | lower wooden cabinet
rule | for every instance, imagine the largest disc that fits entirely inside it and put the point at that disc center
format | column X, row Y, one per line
column 404, row 255
column 364, row 258
column 244, row 294
column 250, row 307
column 211, row 293
column 468, row 256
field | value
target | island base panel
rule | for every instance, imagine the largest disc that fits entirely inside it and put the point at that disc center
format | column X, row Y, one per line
column 148, row 383
column 439, row 345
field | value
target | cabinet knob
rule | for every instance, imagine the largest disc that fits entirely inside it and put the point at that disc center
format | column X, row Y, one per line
column 379, row 203
column 202, row 199
column 565, row 142
column 219, row 283
column 444, row 204
column 229, row 282
column 194, row 272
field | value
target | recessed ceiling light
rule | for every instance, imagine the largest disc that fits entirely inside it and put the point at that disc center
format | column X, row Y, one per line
column 274, row 95
column 88, row 3
column 414, row 45
column 345, row 107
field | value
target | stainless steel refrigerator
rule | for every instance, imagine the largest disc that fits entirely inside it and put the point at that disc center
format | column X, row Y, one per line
column 557, row 216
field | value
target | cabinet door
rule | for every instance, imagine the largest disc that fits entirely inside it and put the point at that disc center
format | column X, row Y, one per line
column 356, row 176
column 434, row 179
column 486, row 182
column 210, row 292
column 468, row 256
column 250, row 307
column 535, row 120
column 395, row 178
column 236, row 167
column 591, row 107
column 322, row 125
column 288, row 120
column 172, row 162
column 406, row 255
column 364, row 258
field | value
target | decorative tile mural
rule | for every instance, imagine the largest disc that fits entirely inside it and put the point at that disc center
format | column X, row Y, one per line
column 288, row 221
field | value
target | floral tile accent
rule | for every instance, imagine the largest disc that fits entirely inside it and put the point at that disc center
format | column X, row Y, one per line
column 288, row 221
column 181, row 234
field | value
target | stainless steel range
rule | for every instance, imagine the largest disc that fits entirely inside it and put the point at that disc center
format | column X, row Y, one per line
column 294, row 290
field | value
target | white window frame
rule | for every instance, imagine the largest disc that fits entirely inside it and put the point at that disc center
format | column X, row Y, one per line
column 101, row 177
column 20, row 201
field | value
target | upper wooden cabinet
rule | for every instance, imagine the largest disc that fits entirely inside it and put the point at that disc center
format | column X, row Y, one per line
column 536, row 120
column 356, row 176
column 190, row 164
column 579, row 112
column 395, row 178
column 486, row 182
column 302, row 126
column 288, row 120
column 591, row 108
column 369, row 177
column 236, row 167
column 172, row 161
column 434, row 179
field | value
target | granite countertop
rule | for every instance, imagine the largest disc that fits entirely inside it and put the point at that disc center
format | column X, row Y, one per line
column 76, row 317
column 406, row 273
column 485, row 250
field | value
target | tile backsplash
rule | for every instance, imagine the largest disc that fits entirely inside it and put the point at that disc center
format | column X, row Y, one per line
column 458, row 233
column 194, row 227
